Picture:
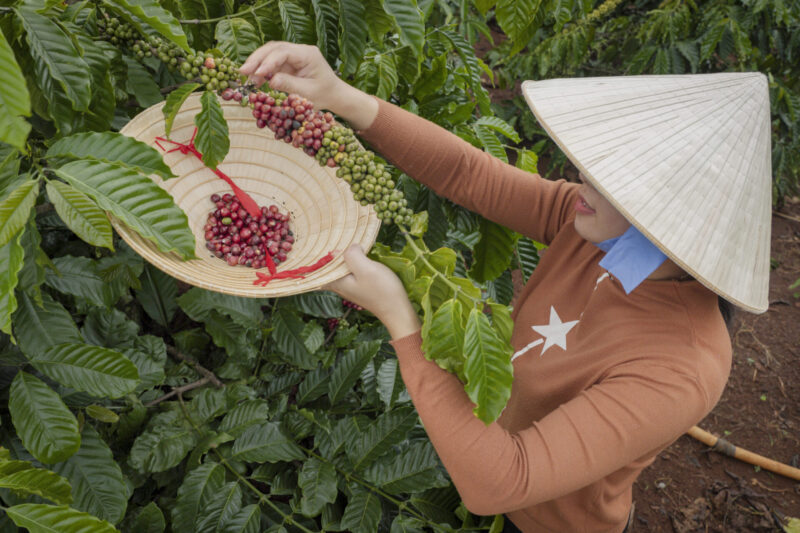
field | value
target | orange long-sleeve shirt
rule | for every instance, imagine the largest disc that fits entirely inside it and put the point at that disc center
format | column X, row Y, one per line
column 603, row 381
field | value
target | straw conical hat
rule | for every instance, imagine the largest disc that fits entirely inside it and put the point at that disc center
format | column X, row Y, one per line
column 324, row 215
column 686, row 159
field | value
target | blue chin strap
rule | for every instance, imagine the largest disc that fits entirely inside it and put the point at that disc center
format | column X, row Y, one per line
column 630, row 258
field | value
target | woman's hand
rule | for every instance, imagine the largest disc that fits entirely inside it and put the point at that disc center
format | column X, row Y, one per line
column 376, row 288
column 301, row 69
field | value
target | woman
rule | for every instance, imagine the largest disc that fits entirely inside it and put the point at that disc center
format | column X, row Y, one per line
column 619, row 349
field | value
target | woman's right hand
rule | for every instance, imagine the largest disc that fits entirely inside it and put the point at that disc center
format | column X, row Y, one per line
column 301, row 69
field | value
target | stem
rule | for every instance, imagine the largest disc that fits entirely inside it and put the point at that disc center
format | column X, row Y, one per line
column 251, row 10
column 178, row 391
column 262, row 498
column 209, row 375
column 333, row 332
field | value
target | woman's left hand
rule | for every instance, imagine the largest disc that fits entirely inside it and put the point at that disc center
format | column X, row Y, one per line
column 376, row 288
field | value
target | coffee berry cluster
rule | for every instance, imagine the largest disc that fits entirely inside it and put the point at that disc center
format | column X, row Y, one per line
column 294, row 120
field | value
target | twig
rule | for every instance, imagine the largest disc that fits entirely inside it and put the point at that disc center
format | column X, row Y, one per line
column 179, row 390
column 787, row 217
column 250, row 10
column 197, row 366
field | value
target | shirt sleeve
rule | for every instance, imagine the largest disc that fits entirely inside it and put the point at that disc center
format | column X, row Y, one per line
column 636, row 411
column 455, row 169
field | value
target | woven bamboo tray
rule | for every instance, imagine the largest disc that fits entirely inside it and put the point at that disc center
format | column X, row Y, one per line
column 324, row 216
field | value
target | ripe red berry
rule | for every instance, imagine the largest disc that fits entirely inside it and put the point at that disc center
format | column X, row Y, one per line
column 209, row 63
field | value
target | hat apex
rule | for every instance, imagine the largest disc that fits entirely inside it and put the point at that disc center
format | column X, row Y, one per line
column 685, row 158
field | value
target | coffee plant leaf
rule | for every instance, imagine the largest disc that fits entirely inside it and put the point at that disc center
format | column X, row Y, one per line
column 389, row 382
column 236, row 38
column 363, row 512
column 407, row 524
column 313, row 336
column 470, row 61
column 199, row 303
column 161, row 447
column 212, row 131
column 493, row 253
column 415, row 468
column 246, row 520
column 528, row 161
column 443, row 340
column 98, row 371
column 488, row 368
column 318, row 482
column 81, row 214
column 111, row 147
column 41, row 518
column 102, row 414
column 489, row 141
column 98, row 485
column 16, row 208
column 79, row 277
column 288, row 337
column 174, row 102
column 55, row 50
column 150, row 519
column 518, row 19
column 326, row 23
column 143, row 13
column 109, row 329
column 48, row 430
column 386, row 74
column 39, row 482
column 297, row 25
column 500, row 126
column 199, row 488
column 158, row 295
column 265, row 443
column 485, row 5
column 385, row 432
column 12, row 257
column 438, row 504
column 219, row 510
column 353, row 34
column 140, row 83
column 348, row 368
column 134, row 199
column 526, row 253
column 15, row 102
column 244, row 415
column 319, row 304
column 314, row 385
column 10, row 177
column 409, row 22
column 38, row 328
column 501, row 321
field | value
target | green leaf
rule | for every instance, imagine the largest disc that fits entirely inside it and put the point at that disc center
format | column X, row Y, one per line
column 236, row 39
column 56, row 52
column 135, row 200
column 313, row 386
column 39, row 328
column 265, row 443
column 348, row 369
column 161, row 448
column 15, row 102
column 326, row 22
column 140, row 83
column 41, row 518
column 297, row 25
column 517, row 19
column 219, row 510
column 484, row 5
column 81, row 214
column 174, row 102
column 45, row 426
column 363, row 511
column 467, row 55
column 443, row 338
column 488, row 368
column 111, row 147
column 40, row 482
column 243, row 416
column 12, row 256
column 501, row 321
column 288, row 337
column 234, row 338
column 102, row 414
column 212, row 131
column 158, row 295
column 98, row 371
column 387, row 430
column 389, row 382
column 493, row 253
column 527, row 254
column 409, row 22
column 98, row 486
column 199, row 487
column 198, row 304
column 16, row 208
column 416, row 468
column 387, row 76
column 109, row 329
column 79, row 277
column 149, row 520
column 153, row 15
column 317, row 480
column 353, row 34
column 319, row 304
column 246, row 520
column 528, row 161
column 490, row 142
column 500, row 126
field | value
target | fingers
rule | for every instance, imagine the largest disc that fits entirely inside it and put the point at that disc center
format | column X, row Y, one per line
column 274, row 57
column 358, row 263
column 255, row 59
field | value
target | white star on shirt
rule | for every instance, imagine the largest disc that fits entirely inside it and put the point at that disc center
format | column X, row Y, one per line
column 554, row 333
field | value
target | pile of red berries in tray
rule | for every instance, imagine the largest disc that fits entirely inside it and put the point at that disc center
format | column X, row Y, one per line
column 240, row 239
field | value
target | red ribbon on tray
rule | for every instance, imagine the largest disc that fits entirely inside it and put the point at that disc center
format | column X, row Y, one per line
column 251, row 207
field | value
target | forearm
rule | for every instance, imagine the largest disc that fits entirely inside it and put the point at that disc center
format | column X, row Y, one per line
column 356, row 107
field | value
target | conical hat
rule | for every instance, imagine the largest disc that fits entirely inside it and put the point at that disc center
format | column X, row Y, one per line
column 685, row 158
